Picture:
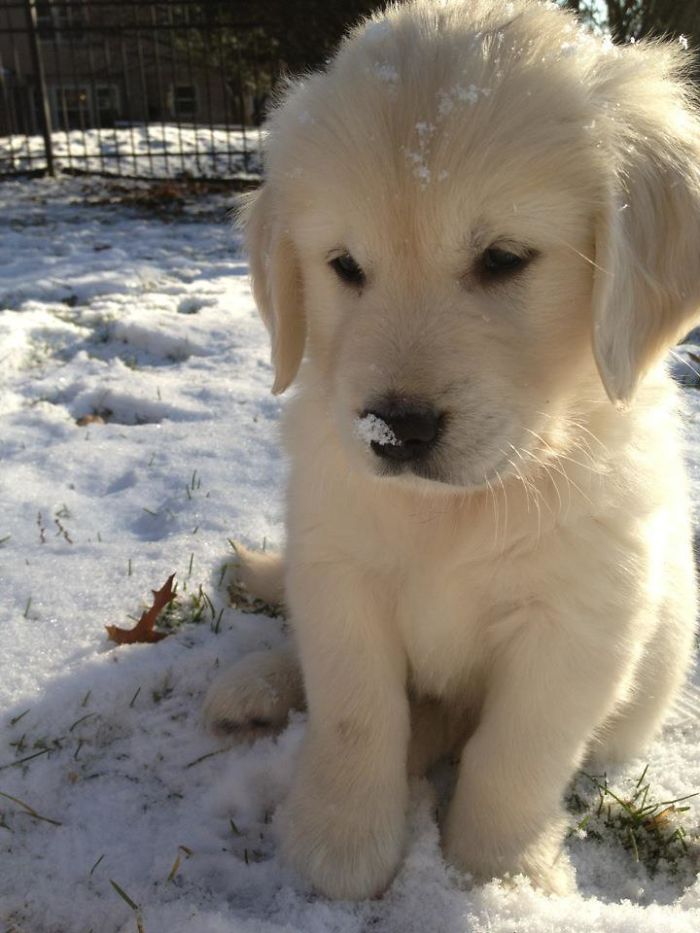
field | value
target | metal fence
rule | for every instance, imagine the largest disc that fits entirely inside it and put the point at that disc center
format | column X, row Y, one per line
column 133, row 89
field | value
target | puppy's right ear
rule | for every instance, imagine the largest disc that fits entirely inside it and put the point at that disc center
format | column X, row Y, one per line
column 277, row 285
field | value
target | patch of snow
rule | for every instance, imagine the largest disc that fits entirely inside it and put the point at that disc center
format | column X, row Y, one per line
column 418, row 158
column 144, row 150
column 447, row 100
column 378, row 30
column 468, row 95
column 372, row 429
column 445, row 104
column 420, row 167
column 385, row 71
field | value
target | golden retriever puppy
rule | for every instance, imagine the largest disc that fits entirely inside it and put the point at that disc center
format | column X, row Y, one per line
column 478, row 232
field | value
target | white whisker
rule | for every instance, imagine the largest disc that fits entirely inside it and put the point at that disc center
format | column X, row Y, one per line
column 495, row 511
column 685, row 362
column 505, row 511
column 530, row 487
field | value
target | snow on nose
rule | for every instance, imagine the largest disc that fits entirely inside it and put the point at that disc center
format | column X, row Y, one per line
column 370, row 429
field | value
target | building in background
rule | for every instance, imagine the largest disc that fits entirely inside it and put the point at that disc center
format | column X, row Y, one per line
column 107, row 64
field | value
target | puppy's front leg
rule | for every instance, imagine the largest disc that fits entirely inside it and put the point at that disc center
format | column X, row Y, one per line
column 552, row 683
column 343, row 823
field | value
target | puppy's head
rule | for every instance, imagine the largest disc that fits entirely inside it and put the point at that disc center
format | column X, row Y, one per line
column 475, row 219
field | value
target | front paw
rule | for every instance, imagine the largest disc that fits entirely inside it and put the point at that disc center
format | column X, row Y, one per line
column 347, row 849
column 543, row 860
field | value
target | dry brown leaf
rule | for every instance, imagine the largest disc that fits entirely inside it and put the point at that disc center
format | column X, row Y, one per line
column 660, row 820
column 100, row 416
column 144, row 630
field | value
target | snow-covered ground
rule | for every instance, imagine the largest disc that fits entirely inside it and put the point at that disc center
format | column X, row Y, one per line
column 147, row 151
column 141, row 325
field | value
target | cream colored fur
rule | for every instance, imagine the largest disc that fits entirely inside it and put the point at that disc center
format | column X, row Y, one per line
column 533, row 600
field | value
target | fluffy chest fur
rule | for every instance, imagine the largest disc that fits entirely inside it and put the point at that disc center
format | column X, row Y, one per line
column 461, row 575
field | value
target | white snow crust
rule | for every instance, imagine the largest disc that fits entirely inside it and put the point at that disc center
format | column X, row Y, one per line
column 370, row 428
column 143, row 150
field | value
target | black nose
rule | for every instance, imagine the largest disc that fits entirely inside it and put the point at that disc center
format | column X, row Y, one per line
column 414, row 426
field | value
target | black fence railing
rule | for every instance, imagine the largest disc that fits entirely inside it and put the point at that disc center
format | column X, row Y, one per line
column 131, row 88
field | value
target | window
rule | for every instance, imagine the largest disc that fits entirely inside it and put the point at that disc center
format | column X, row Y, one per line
column 63, row 21
column 44, row 19
column 71, row 110
column 106, row 104
column 184, row 100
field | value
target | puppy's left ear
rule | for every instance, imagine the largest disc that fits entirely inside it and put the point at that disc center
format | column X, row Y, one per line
column 647, row 283
column 277, row 285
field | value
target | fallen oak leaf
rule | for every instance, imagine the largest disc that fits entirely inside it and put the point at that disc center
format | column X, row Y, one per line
column 100, row 416
column 144, row 630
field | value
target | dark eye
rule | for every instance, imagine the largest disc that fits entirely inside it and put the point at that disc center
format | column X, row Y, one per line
column 496, row 262
column 348, row 270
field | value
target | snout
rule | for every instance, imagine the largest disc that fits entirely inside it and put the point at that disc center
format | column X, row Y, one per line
column 401, row 430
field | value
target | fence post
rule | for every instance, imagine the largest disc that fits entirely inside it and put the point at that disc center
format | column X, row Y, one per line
column 38, row 64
